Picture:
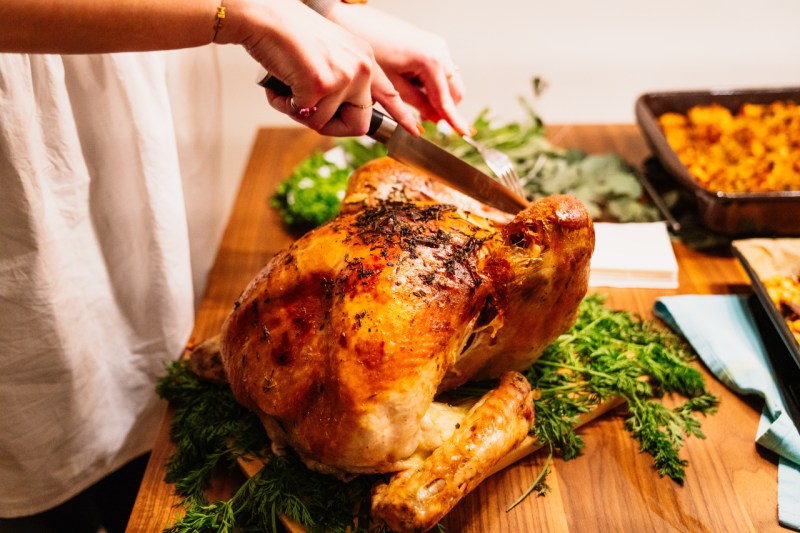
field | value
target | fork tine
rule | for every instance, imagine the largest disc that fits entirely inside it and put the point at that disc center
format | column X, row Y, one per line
column 500, row 164
column 507, row 179
column 511, row 180
column 508, row 174
column 516, row 187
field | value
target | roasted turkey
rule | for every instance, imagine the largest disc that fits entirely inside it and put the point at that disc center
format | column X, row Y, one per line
column 344, row 340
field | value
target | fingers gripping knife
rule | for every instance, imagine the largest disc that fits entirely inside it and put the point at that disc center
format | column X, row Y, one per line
column 425, row 155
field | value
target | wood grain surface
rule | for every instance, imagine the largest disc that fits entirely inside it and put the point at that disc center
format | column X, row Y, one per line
column 731, row 485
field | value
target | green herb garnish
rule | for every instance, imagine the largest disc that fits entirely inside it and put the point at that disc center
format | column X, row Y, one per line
column 605, row 183
column 539, row 485
column 607, row 354
column 313, row 193
column 612, row 354
column 228, row 430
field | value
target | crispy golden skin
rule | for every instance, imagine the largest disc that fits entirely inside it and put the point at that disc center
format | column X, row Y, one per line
column 417, row 498
column 385, row 180
column 342, row 342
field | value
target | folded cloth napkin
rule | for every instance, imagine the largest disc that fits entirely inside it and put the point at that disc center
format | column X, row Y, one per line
column 722, row 331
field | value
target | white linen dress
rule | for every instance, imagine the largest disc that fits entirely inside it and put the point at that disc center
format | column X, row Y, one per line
column 96, row 290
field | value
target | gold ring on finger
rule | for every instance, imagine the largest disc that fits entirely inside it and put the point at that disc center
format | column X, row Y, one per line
column 362, row 106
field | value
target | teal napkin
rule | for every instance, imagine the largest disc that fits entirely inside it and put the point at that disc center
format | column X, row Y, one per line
column 722, row 331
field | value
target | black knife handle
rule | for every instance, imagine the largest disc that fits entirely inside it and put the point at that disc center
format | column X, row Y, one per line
column 268, row 81
column 381, row 125
column 375, row 122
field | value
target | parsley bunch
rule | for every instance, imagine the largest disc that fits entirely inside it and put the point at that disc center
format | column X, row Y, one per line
column 313, row 193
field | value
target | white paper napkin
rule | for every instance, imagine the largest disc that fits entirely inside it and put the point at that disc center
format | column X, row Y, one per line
column 633, row 255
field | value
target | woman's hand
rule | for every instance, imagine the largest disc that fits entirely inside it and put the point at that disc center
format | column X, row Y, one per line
column 332, row 73
column 417, row 62
column 330, row 66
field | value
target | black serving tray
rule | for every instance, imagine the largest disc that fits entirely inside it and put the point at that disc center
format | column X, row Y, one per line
column 774, row 314
column 783, row 351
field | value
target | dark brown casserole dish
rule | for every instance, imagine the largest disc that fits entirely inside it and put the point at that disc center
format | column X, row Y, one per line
column 728, row 213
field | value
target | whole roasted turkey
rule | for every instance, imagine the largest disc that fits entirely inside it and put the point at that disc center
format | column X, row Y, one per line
column 344, row 340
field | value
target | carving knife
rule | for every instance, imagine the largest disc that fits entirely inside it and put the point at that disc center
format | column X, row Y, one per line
column 426, row 156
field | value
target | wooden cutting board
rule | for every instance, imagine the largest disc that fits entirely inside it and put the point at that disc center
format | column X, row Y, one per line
column 250, row 466
column 731, row 484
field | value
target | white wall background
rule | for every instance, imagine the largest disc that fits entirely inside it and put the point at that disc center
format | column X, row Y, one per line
column 596, row 56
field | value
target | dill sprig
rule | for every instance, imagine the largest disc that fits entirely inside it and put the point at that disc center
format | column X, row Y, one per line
column 607, row 354
column 209, row 429
column 539, row 485
column 285, row 487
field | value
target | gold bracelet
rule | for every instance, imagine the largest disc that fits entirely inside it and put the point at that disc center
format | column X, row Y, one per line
column 218, row 18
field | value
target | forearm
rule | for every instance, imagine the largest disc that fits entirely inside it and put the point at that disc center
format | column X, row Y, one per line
column 92, row 26
column 325, row 65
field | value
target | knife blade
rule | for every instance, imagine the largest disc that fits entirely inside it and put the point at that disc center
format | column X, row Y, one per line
column 426, row 156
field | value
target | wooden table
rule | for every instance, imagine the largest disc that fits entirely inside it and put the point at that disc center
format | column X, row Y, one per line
column 731, row 485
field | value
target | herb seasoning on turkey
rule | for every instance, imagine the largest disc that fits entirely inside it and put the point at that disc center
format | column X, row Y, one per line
column 471, row 294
